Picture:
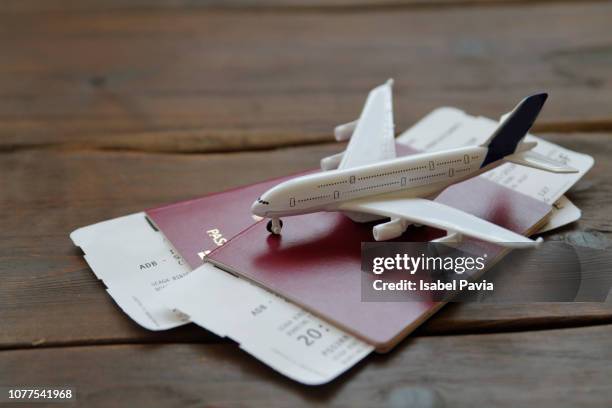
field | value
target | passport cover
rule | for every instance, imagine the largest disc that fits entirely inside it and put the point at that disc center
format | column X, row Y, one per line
column 316, row 261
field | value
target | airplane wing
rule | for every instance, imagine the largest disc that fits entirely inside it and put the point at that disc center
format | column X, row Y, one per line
column 433, row 214
column 373, row 139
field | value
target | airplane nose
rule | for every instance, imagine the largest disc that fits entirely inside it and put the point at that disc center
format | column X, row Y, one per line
column 257, row 208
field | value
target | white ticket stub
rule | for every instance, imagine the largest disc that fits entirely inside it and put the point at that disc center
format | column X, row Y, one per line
column 134, row 261
column 563, row 212
column 281, row 334
column 152, row 284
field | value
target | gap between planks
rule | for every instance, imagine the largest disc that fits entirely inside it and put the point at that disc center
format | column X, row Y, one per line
column 486, row 329
column 17, row 7
column 260, row 142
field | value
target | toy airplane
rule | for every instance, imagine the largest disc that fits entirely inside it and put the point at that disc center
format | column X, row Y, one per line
column 371, row 183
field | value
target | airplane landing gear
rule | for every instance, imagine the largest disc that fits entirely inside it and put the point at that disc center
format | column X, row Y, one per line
column 274, row 226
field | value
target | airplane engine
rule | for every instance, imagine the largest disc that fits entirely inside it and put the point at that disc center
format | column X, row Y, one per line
column 331, row 162
column 345, row 131
column 389, row 230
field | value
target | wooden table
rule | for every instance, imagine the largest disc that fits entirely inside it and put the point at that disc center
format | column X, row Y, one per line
column 107, row 109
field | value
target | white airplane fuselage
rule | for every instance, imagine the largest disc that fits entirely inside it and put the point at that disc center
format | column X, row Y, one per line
column 419, row 175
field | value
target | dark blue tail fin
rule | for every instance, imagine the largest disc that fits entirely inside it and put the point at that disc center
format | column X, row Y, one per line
column 513, row 128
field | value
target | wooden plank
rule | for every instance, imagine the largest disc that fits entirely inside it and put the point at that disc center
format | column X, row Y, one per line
column 38, row 6
column 199, row 80
column 49, row 296
column 557, row 368
column 48, row 300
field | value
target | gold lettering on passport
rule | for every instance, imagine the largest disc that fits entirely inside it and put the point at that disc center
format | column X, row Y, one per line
column 217, row 237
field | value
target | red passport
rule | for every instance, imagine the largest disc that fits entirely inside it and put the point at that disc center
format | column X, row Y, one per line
column 316, row 262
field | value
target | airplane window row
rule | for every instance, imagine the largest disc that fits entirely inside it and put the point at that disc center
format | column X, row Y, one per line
column 426, row 177
column 448, row 162
column 392, row 172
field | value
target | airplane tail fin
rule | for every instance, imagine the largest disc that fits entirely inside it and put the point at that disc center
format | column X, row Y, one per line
column 513, row 128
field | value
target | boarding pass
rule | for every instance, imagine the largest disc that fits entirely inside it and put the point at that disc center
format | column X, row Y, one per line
column 144, row 274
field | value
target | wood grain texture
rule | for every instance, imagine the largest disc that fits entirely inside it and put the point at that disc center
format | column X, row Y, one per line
column 91, row 91
column 42, row 6
column 200, row 80
column 557, row 368
column 49, row 296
